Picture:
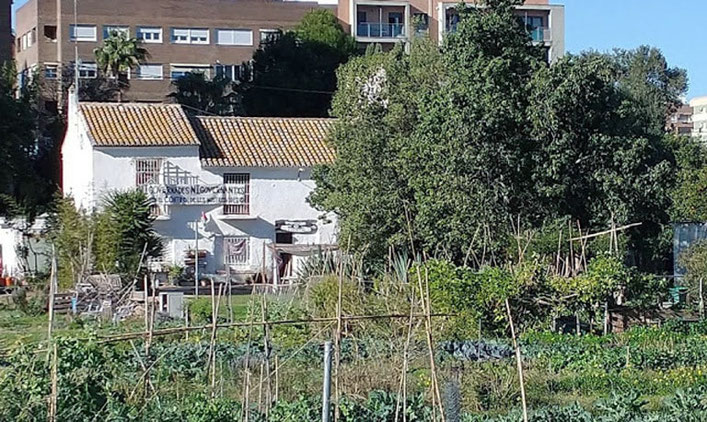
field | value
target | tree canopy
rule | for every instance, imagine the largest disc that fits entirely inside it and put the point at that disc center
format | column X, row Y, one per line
column 293, row 74
column 208, row 96
column 29, row 157
column 440, row 149
column 118, row 55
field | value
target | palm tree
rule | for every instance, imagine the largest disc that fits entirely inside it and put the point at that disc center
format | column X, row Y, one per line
column 118, row 55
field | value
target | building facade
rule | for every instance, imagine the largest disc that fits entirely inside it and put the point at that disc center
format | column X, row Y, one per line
column 210, row 36
column 680, row 122
column 237, row 186
column 24, row 249
column 699, row 117
column 387, row 22
column 6, row 37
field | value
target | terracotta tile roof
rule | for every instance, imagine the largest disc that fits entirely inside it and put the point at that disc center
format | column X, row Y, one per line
column 138, row 124
column 263, row 141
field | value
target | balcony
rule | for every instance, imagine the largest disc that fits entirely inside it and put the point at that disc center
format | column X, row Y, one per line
column 541, row 35
column 381, row 21
column 380, row 30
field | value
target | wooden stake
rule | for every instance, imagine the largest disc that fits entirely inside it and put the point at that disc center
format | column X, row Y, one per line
column 55, row 387
column 277, row 379
column 519, row 363
column 614, row 229
column 702, row 302
column 571, row 260
column 403, row 375
column 425, row 302
column 147, row 312
column 212, row 344
column 246, row 362
column 260, row 388
column 186, row 321
column 246, row 400
column 230, row 295
column 148, row 341
column 52, row 293
column 337, row 339
column 266, row 346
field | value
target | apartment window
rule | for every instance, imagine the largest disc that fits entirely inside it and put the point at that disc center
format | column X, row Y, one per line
column 32, row 37
column 150, row 34
column 361, row 17
column 24, row 42
column 234, row 37
column 177, row 71
column 82, row 32
column 149, row 71
column 236, row 250
column 237, row 193
column 269, row 35
column 233, row 72
column 51, row 71
column 533, row 22
column 88, row 70
column 190, row 36
column 109, row 29
column 421, row 22
column 50, row 33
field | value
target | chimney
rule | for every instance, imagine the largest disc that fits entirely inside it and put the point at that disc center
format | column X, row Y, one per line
column 73, row 105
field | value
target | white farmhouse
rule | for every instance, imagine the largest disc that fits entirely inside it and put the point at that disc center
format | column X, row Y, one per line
column 245, row 179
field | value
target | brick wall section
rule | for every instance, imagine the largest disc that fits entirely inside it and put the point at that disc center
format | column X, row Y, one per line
column 211, row 14
column 6, row 39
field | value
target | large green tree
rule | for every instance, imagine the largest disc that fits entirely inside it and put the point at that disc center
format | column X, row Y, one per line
column 598, row 120
column 206, row 96
column 29, row 157
column 293, row 74
column 443, row 148
column 431, row 145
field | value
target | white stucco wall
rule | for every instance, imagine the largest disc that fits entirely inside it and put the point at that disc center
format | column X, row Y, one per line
column 77, row 159
column 275, row 194
column 12, row 238
column 9, row 240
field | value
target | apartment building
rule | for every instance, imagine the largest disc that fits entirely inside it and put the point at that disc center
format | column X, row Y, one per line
column 210, row 36
column 699, row 117
column 5, row 30
column 680, row 122
column 387, row 22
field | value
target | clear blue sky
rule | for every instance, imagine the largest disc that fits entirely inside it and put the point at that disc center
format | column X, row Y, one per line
column 677, row 27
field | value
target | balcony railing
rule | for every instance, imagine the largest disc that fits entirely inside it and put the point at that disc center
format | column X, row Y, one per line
column 380, row 30
column 541, row 35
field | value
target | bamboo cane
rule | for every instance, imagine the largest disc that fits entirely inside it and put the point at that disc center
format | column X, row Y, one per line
column 519, row 363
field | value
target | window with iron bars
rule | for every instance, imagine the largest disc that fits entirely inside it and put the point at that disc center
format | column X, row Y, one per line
column 148, row 171
column 238, row 199
column 236, row 250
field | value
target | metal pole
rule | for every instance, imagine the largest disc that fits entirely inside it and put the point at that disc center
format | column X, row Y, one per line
column 76, row 50
column 326, row 393
column 196, row 257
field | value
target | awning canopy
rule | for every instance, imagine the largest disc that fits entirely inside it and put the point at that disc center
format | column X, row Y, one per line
column 302, row 250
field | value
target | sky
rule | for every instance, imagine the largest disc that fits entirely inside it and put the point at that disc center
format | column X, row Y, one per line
column 677, row 27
